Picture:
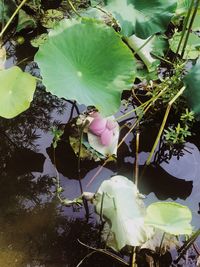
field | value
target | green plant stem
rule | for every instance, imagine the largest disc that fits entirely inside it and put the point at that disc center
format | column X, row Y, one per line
column 185, row 26
column 79, row 169
column 57, row 177
column 144, row 105
column 85, row 258
column 12, row 17
column 133, row 258
column 137, row 158
column 187, row 245
column 163, row 124
column 79, row 161
column 144, row 44
column 190, row 28
column 161, row 243
column 162, row 59
column 107, row 253
column 73, row 8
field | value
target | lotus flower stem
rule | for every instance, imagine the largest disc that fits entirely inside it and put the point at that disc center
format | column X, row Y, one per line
column 185, row 26
column 144, row 105
column 105, row 252
column 187, row 245
column 137, row 158
column 133, row 258
column 12, row 17
column 139, row 119
column 73, row 8
column 85, row 203
column 163, row 124
column 85, row 258
column 190, row 27
column 161, row 244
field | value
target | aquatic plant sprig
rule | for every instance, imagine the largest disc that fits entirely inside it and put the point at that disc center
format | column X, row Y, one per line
column 163, row 123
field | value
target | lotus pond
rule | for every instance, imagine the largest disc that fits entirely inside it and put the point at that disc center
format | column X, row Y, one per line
column 99, row 127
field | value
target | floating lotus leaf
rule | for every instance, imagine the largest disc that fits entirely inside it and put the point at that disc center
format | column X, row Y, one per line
column 16, row 91
column 170, row 217
column 119, row 201
column 141, row 17
column 88, row 62
column 192, row 92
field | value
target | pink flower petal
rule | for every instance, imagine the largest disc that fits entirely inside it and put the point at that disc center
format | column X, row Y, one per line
column 97, row 126
column 111, row 124
column 106, row 137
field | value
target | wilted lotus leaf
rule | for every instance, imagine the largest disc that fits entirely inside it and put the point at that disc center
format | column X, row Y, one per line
column 120, row 203
column 87, row 61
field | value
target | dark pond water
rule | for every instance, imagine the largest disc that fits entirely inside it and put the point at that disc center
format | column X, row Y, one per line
column 35, row 231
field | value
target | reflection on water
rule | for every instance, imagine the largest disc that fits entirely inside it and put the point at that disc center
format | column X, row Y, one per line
column 35, row 231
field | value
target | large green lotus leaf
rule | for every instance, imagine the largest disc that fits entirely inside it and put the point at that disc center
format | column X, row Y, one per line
column 192, row 50
column 141, row 17
column 16, row 91
column 192, row 92
column 88, row 62
column 156, row 46
column 119, row 201
column 170, row 217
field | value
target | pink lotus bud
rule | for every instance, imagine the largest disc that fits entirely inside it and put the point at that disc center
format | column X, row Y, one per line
column 106, row 137
column 97, row 126
column 111, row 124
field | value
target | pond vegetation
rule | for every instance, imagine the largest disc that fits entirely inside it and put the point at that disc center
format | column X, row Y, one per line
column 97, row 100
